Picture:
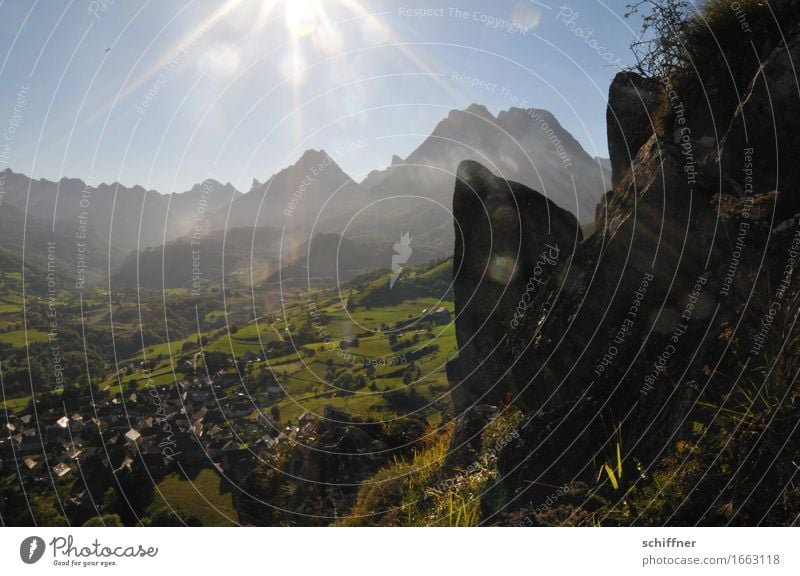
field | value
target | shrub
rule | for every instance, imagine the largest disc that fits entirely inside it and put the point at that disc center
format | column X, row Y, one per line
column 679, row 37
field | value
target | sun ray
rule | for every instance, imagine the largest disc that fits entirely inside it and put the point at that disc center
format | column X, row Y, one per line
column 267, row 6
column 157, row 68
column 435, row 75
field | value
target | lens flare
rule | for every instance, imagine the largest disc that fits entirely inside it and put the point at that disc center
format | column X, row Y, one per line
column 501, row 269
column 301, row 18
column 503, row 218
column 525, row 16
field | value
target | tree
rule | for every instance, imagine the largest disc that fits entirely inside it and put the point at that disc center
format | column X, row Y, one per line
column 131, row 386
column 176, row 516
column 660, row 48
column 46, row 513
column 215, row 361
column 109, row 520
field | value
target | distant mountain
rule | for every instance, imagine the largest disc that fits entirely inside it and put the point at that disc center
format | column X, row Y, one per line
column 314, row 186
column 329, row 259
column 126, row 218
column 75, row 260
column 35, row 277
column 359, row 222
column 605, row 163
column 527, row 146
column 194, row 207
column 195, row 263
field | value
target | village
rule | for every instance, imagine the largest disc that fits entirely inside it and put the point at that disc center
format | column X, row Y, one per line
column 219, row 413
column 197, row 422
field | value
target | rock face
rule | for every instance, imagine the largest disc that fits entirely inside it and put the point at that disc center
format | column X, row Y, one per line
column 632, row 334
column 632, row 102
column 509, row 240
column 764, row 124
column 466, row 443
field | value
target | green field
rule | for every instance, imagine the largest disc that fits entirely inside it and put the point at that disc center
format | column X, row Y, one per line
column 308, row 372
column 18, row 338
column 15, row 405
column 200, row 495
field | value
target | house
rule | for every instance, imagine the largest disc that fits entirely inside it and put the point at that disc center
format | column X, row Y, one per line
column 29, row 466
column 61, row 470
column 126, row 464
column 132, row 436
column 73, row 452
column 27, row 442
column 305, row 418
column 269, row 441
column 199, row 414
column 146, row 427
column 82, row 499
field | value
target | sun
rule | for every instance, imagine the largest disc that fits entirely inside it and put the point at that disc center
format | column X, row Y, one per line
column 302, row 17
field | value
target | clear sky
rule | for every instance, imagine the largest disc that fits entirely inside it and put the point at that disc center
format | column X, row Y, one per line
column 168, row 93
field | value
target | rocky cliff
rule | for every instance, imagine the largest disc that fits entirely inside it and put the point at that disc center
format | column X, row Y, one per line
column 509, row 240
column 654, row 361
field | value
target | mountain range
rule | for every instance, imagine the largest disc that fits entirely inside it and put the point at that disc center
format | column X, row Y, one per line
column 138, row 233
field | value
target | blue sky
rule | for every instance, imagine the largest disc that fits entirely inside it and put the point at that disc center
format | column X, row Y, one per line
column 237, row 90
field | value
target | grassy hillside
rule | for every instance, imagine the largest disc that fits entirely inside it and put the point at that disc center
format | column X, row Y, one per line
column 263, row 357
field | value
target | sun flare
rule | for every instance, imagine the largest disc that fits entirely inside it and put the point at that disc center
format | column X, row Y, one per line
column 302, row 17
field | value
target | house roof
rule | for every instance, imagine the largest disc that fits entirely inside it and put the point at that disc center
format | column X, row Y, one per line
column 132, row 435
column 73, row 452
column 126, row 463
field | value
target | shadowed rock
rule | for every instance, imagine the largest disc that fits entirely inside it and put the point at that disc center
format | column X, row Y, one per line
column 763, row 136
column 509, row 240
column 632, row 102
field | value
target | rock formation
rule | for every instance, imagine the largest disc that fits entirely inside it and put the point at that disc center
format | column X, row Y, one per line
column 646, row 338
column 509, row 240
